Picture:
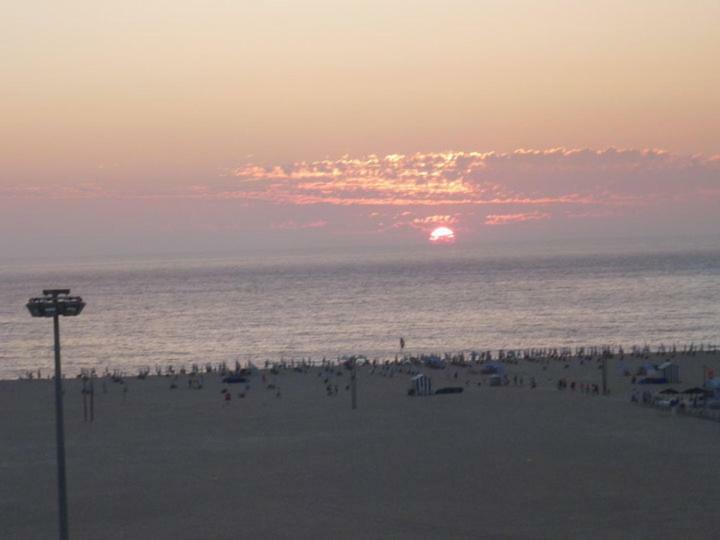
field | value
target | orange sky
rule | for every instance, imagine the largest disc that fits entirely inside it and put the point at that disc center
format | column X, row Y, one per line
column 154, row 97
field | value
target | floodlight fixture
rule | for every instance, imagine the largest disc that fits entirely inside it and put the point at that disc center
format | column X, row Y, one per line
column 55, row 303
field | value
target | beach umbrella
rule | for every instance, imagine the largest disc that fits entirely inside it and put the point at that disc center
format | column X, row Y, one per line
column 669, row 391
column 694, row 390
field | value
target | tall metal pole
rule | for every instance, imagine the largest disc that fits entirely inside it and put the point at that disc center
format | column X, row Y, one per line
column 60, row 434
column 92, row 399
column 353, row 384
column 85, row 399
column 604, row 376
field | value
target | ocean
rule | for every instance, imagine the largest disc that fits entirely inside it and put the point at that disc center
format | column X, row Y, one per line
column 194, row 310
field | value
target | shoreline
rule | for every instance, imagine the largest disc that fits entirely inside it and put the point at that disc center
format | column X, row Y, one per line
column 467, row 355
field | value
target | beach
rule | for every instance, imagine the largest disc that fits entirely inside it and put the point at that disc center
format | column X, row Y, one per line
column 294, row 462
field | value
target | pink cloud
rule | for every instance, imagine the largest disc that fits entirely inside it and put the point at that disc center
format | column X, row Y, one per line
column 551, row 177
column 428, row 222
column 293, row 225
column 555, row 177
column 608, row 191
column 76, row 190
column 418, row 191
column 504, row 219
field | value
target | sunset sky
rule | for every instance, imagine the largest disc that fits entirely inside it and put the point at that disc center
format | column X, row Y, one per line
column 166, row 126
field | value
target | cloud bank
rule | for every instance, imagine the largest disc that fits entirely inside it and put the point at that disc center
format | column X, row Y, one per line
column 593, row 192
column 497, row 188
column 555, row 176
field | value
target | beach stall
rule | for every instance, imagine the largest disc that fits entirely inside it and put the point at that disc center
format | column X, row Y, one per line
column 670, row 372
column 712, row 387
column 495, row 380
column 420, row 385
column 652, row 375
column 493, row 368
column 649, row 370
column 435, row 362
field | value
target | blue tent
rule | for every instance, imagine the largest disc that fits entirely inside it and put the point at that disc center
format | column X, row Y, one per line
column 713, row 385
column 435, row 362
column 493, row 368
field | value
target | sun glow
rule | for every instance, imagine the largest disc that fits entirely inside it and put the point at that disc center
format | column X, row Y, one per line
column 442, row 235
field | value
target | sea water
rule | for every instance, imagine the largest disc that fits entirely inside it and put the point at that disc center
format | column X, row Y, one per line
column 194, row 310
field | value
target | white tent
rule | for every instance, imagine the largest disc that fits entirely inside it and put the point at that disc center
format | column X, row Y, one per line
column 421, row 384
column 670, row 371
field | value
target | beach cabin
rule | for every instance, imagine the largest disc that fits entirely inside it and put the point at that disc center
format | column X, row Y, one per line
column 649, row 370
column 653, row 375
column 435, row 362
column 493, row 368
column 495, row 380
column 670, row 372
column 420, row 385
column 712, row 386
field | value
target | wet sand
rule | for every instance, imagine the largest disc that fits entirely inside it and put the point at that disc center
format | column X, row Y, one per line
column 508, row 462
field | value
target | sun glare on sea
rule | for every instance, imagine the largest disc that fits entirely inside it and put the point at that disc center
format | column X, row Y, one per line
column 442, row 235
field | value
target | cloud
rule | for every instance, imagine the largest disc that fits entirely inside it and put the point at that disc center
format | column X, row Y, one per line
column 408, row 193
column 430, row 222
column 76, row 190
column 293, row 225
column 504, row 219
column 524, row 178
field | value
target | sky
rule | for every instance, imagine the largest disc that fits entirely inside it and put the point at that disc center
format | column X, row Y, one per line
column 167, row 126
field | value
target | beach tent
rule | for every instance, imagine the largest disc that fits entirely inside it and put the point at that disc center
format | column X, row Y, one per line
column 670, row 371
column 493, row 368
column 421, row 385
column 649, row 370
column 435, row 362
column 622, row 368
column 713, row 385
column 496, row 380
column 252, row 368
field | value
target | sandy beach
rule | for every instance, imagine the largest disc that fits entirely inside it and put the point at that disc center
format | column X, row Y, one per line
column 492, row 462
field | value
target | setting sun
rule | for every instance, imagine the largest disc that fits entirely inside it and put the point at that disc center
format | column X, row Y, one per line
column 442, row 235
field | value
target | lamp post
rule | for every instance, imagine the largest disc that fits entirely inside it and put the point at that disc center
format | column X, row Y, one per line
column 605, row 390
column 353, row 382
column 53, row 303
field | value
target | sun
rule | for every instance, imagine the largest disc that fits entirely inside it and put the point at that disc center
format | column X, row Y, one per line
column 442, row 235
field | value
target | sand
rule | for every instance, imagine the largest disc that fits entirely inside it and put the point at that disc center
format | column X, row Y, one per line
column 508, row 462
